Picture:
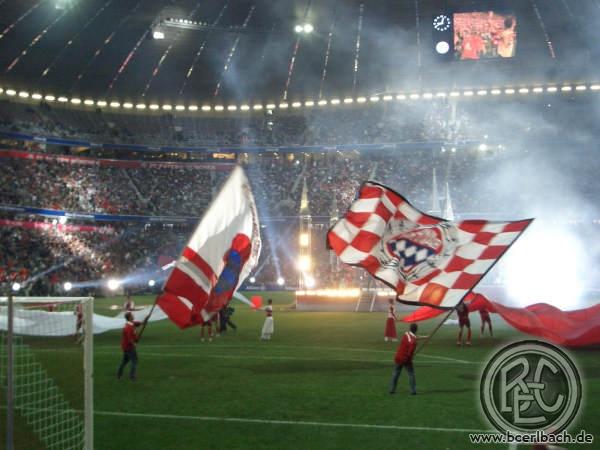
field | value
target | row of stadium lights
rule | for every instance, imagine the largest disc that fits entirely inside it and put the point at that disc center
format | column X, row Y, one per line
column 307, row 103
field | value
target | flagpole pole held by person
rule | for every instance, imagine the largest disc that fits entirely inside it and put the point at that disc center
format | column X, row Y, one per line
column 147, row 318
column 436, row 328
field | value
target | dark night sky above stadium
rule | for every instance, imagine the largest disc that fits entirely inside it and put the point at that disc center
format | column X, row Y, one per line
column 104, row 48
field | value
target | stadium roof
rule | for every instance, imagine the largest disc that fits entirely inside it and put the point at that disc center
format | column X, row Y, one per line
column 241, row 50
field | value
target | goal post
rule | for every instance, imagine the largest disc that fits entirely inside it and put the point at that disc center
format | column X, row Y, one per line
column 46, row 372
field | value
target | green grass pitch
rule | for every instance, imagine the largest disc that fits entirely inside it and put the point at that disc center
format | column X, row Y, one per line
column 321, row 383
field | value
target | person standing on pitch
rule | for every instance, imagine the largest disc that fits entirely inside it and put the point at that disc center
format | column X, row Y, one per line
column 267, row 329
column 403, row 358
column 463, row 321
column 485, row 318
column 390, row 324
column 129, row 340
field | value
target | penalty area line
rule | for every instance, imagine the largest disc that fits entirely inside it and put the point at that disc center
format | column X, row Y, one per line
column 285, row 422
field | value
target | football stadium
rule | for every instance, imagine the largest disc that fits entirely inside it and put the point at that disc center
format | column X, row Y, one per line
column 299, row 224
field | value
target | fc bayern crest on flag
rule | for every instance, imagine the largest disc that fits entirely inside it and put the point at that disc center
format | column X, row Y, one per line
column 425, row 259
column 416, row 251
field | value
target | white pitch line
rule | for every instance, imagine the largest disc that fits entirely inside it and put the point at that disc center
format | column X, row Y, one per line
column 286, row 422
column 265, row 357
column 387, row 352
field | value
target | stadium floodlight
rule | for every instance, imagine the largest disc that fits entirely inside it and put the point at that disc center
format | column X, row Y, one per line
column 11, row 92
column 296, row 104
column 179, row 108
column 537, row 90
column 308, row 28
column 206, row 108
column 551, row 89
column 361, row 99
column 387, row 98
column 88, row 102
column 304, row 263
column 219, row 108
column 1, row 90
column 113, row 284
column 115, row 105
column 68, row 286
column 193, row 108
column 36, row 96
column 157, row 34
column 280, row 281
column 140, row 106
column 167, row 107
column 595, row 87
column 454, row 94
column 400, row 97
column 482, row 92
column 232, row 108
column 468, row 93
column 581, row 87
column 428, row 95
column 483, row 147
column 442, row 47
column 335, row 101
column 62, row 99
column 127, row 105
column 414, row 96
column 76, row 101
column 252, row 280
column 283, row 105
column 509, row 91
column 24, row 94
column 304, row 240
column 495, row 92
column 154, row 107
column 151, row 283
column 16, row 286
column 244, row 107
column 566, row 88
column 101, row 103
column 441, row 94
column 453, row 149
column 348, row 100
column 523, row 91
column 322, row 102
column 298, row 28
column 257, row 107
column 374, row 98
column 271, row 106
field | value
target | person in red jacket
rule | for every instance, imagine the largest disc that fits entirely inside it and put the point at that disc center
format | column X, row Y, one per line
column 403, row 358
column 463, row 321
column 485, row 318
column 129, row 340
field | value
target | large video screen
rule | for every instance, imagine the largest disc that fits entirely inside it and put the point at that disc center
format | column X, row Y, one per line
column 482, row 35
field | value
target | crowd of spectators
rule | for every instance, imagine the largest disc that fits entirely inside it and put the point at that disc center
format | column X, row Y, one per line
column 484, row 179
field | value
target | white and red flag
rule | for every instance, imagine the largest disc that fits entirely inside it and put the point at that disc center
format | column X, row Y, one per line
column 221, row 253
column 426, row 259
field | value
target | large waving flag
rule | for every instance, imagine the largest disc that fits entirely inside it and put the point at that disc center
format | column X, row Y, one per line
column 220, row 255
column 426, row 259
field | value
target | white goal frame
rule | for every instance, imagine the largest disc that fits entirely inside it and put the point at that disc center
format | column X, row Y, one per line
column 88, row 360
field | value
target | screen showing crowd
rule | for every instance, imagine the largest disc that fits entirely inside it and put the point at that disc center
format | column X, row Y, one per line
column 488, row 34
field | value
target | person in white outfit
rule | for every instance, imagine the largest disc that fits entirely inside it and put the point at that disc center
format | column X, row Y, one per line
column 267, row 329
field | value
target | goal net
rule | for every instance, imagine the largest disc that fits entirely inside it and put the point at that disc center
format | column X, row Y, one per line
column 46, row 372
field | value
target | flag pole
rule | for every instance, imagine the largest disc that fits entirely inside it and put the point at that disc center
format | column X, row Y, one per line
column 147, row 318
column 427, row 339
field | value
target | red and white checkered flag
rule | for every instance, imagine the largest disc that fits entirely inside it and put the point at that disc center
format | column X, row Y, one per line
column 426, row 259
